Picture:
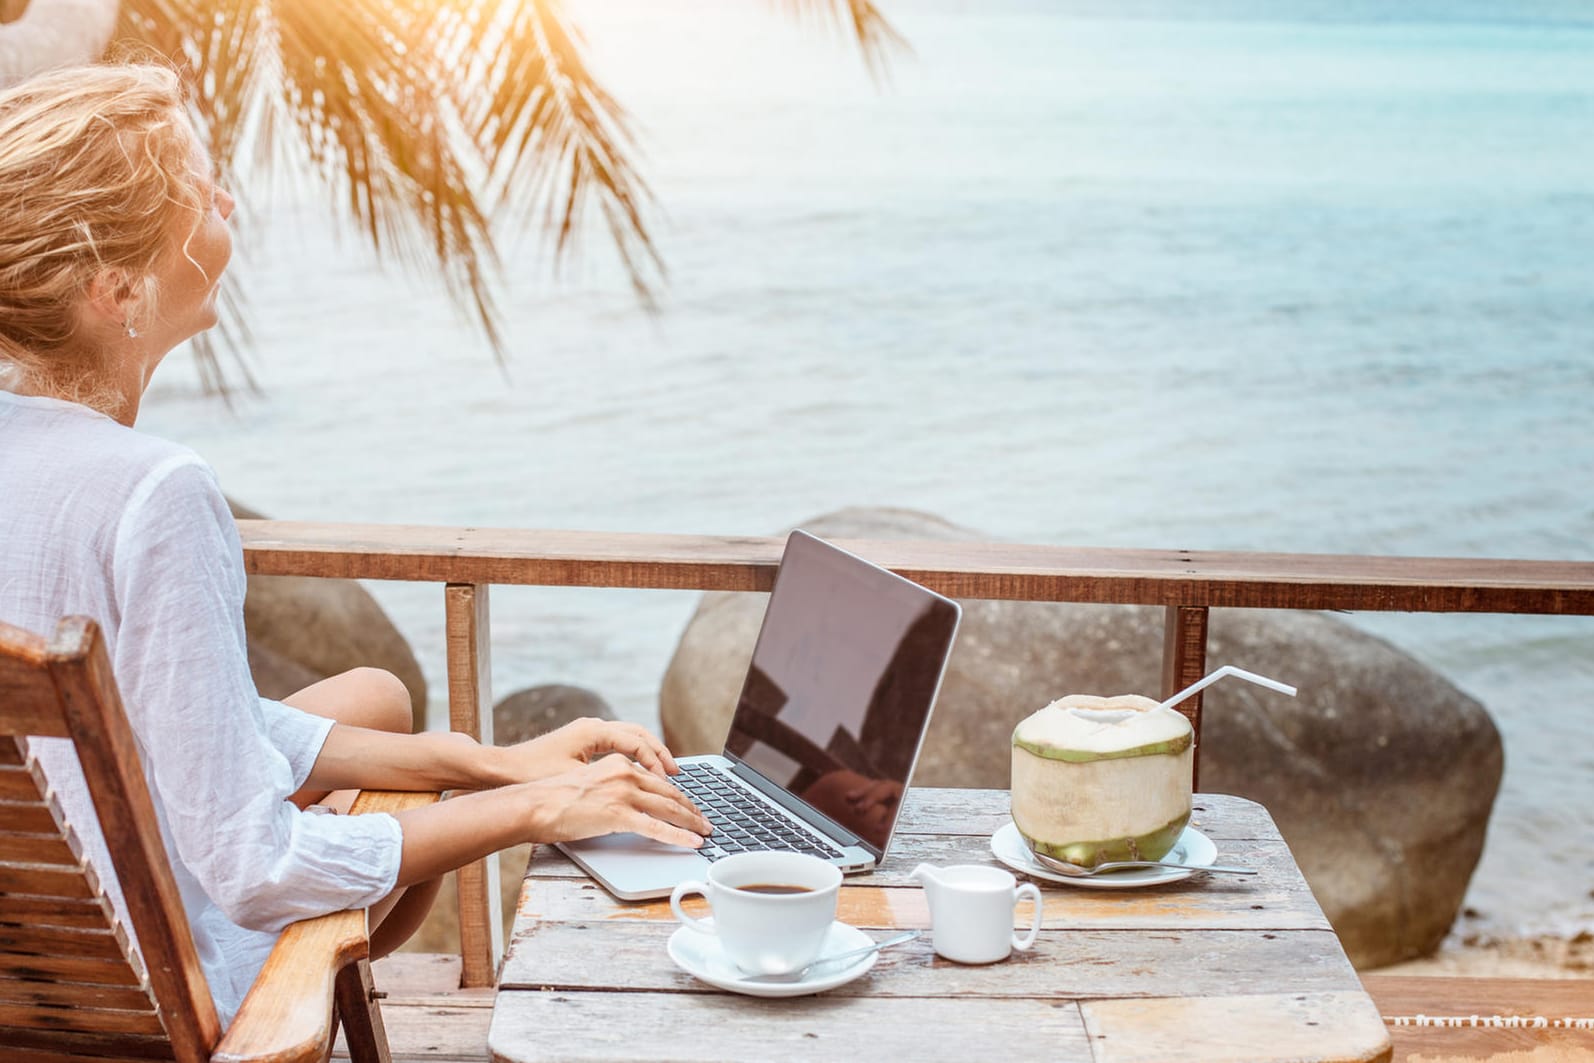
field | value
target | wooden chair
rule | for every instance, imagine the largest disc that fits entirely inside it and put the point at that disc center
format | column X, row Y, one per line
column 71, row 987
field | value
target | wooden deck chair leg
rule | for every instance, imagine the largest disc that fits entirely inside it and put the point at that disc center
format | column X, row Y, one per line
column 362, row 1019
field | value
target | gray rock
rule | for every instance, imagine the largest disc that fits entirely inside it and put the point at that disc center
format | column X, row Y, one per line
column 1381, row 774
column 302, row 629
column 538, row 710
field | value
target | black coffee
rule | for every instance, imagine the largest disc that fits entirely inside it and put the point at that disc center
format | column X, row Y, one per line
column 773, row 887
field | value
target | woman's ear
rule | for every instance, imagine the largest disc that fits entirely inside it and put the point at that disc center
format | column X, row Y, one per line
column 112, row 298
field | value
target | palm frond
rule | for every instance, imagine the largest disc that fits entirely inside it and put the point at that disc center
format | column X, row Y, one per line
column 877, row 39
column 552, row 139
column 428, row 119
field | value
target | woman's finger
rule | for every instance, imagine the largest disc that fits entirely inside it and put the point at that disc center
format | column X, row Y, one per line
column 660, row 831
column 636, row 743
column 639, row 789
column 662, row 808
column 657, row 795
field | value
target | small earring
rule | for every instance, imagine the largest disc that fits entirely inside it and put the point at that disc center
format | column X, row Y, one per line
column 132, row 333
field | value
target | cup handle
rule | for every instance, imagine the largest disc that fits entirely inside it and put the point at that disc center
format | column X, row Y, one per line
column 1029, row 889
column 693, row 886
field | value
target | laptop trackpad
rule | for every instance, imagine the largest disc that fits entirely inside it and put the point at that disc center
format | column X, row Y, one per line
column 636, row 867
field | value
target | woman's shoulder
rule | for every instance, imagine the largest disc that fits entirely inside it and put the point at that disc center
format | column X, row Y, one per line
column 77, row 448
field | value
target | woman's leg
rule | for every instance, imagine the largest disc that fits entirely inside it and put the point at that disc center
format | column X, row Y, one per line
column 360, row 697
column 376, row 699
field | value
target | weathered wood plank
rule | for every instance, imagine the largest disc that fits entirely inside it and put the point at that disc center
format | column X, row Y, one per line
column 470, row 710
column 1272, row 858
column 1409, row 995
column 1300, row 1027
column 1527, row 1019
column 980, row 813
column 85, row 914
column 72, row 994
column 631, row 956
column 78, row 1046
column 433, row 1032
column 33, row 1055
column 1275, row 899
column 36, row 849
column 56, row 941
column 17, row 784
column 962, row 570
column 654, row 1026
column 79, row 1020
column 27, row 702
column 27, row 818
column 45, row 880
column 99, row 970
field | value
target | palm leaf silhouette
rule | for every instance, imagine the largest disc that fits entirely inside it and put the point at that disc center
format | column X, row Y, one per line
column 427, row 119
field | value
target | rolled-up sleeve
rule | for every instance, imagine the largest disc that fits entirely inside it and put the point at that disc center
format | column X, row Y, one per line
column 297, row 735
column 222, row 761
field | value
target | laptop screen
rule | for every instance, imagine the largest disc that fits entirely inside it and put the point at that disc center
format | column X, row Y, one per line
column 843, row 677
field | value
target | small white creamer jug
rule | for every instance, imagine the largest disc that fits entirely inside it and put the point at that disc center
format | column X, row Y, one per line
column 971, row 911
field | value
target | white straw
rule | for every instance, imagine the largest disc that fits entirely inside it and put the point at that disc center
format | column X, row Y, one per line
column 1228, row 669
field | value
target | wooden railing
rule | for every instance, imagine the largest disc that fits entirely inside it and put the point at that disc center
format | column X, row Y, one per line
column 1186, row 583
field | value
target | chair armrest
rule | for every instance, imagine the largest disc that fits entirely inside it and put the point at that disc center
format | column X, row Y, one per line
column 287, row 1016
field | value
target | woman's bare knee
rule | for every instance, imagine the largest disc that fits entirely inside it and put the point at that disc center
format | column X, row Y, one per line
column 361, row 697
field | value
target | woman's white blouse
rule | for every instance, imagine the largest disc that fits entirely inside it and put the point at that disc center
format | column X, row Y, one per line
column 99, row 520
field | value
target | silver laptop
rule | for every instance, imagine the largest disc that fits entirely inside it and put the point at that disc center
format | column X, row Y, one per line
column 826, row 732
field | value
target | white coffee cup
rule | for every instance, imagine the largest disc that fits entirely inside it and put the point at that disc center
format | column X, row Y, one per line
column 971, row 911
column 771, row 910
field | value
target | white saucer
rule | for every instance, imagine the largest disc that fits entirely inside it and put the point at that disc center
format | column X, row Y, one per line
column 1193, row 847
column 700, row 956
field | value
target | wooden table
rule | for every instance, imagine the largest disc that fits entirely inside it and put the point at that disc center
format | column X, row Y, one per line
column 1212, row 968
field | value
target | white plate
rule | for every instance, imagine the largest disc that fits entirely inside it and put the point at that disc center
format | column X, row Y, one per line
column 1193, row 847
column 700, row 956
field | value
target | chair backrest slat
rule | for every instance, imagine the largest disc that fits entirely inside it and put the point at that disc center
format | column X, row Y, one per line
column 65, row 964
column 89, row 970
column 51, row 911
column 36, row 849
column 81, row 1020
column 42, row 1046
column 28, row 705
column 70, row 984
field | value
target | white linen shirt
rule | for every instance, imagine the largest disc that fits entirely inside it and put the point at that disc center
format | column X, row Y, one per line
column 99, row 520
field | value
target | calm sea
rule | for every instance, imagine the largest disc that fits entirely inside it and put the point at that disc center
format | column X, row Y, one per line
column 1277, row 276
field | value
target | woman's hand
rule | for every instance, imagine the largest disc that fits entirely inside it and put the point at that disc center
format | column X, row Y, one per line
column 587, row 800
column 583, row 741
column 612, row 795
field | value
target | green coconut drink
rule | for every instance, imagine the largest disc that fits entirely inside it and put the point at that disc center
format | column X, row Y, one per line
column 1099, row 779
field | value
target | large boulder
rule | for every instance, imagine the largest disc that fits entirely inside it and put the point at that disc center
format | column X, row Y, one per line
column 1381, row 774
column 528, row 713
column 302, row 629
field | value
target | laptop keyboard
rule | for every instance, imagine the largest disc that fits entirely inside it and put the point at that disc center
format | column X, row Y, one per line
column 742, row 821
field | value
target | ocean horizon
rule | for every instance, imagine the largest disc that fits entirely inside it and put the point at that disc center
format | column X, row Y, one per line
column 1293, row 277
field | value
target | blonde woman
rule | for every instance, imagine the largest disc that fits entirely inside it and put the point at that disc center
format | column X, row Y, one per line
column 113, row 237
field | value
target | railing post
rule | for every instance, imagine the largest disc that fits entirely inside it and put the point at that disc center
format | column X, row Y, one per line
column 1184, row 660
column 470, row 710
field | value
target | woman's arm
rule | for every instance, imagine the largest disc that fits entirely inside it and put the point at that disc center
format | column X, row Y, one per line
column 355, row 758
column 611, row 794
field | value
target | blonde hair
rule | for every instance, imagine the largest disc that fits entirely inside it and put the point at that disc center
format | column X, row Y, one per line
column 96, row 174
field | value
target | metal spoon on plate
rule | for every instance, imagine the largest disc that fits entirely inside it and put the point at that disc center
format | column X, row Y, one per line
column 1063, row 867
column 826, row 961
